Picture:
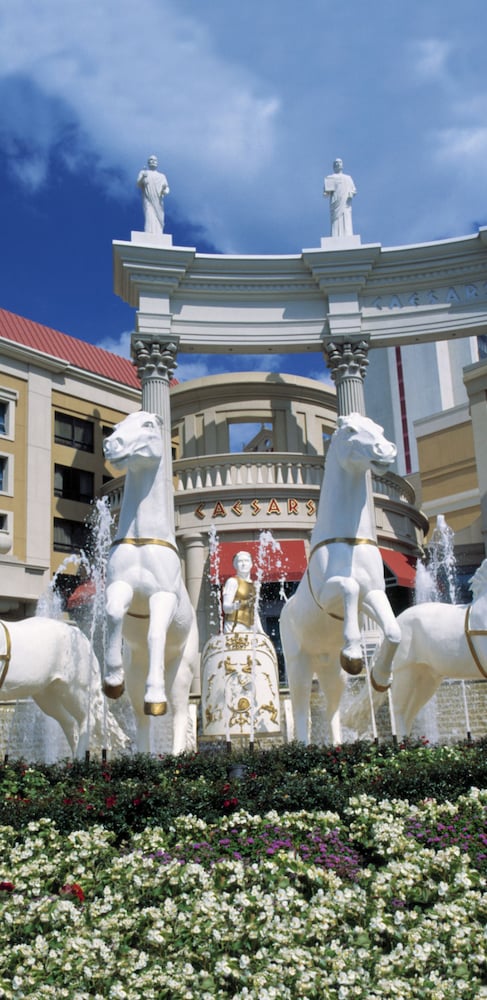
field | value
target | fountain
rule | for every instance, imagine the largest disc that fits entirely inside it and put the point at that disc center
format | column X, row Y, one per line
column 58, row 708
column 436, row 580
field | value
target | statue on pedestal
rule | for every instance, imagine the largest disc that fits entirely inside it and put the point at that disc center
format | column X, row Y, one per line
column 154, row 187
column 240, row 688
column 239, row 598
column 340, row 189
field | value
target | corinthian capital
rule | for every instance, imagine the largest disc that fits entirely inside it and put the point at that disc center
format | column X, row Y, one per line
column 154, row 358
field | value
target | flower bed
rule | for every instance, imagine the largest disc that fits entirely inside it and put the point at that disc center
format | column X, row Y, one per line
column 379, row 898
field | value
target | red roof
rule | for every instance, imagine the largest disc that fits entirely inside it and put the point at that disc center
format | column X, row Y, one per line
column 60, row 345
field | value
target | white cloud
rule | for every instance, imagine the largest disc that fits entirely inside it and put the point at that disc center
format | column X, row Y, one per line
column 117, row 345
column 430, row 58
column 461, row 144
column 145, row 78
column 246, row 107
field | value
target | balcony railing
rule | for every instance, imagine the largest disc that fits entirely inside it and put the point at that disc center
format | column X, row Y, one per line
column 260, row 470
column 255, row 469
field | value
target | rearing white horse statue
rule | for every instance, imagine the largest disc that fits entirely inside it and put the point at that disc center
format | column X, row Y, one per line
column 320, row 627
column 145, row 593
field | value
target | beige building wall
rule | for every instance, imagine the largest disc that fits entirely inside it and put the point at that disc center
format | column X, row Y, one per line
column 453, row 467
column 32, row 388
column 13, row 447
column 475, row 378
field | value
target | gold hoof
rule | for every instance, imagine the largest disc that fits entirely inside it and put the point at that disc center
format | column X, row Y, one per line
column 351, row 664
column 380, row 688
column 155, row 707
column 113, row 690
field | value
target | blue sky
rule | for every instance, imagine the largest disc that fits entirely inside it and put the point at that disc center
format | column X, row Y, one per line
column 246, row 106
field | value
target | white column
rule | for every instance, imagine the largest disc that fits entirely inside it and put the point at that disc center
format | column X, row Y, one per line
column 155, row 360
column 348, row 364
column 194, row 559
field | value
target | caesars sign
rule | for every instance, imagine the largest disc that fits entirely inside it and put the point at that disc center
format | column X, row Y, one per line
column 256, row 507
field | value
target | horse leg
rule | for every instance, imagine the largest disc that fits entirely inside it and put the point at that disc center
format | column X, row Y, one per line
column 179, row 675
column 162, row 608
column 135, row 668
column 118, row 600
column 412, row 688
column 50, row 703
column 332, row 684
column 349, row 590
column 300, row 676
column 377, row 606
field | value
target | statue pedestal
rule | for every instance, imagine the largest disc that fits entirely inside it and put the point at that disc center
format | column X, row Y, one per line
column 240, row 686
column 151, row 239
column 340, row 242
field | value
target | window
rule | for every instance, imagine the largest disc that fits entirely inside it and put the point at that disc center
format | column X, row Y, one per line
column 69, row 536
column 73, row 431
column 8, row 399
column 482, row 346
column 5, row 473
column 73, row 484
column 250, row 436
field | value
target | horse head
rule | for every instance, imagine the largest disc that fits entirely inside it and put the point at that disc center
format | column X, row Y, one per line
column 360, row 443
column 138, row 436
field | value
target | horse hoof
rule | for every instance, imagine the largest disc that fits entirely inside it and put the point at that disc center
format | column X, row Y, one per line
column 113, row 690
column 380, row 688
column 351, row 664
column 155, row 707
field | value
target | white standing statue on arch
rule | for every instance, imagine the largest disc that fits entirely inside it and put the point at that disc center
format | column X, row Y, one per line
column 340, row 189
column 320, row 624
column 154, row 187
column 146, row 598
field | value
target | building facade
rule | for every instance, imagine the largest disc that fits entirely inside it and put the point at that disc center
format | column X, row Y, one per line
column 58, row 397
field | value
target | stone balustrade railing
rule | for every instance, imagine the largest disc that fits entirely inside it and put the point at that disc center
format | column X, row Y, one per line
column 260, row 469
column 253, row 469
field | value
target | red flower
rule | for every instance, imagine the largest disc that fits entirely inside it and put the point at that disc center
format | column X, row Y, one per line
column 7, row 886
column 73, row 889
column 110, row 801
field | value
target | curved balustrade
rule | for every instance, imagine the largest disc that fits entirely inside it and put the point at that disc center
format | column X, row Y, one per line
column 217, row 472
column 394, row 488
column 260, row 469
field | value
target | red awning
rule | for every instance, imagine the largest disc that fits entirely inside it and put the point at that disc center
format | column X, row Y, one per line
column 403, row 567
column 83, row 594
column 287, row 561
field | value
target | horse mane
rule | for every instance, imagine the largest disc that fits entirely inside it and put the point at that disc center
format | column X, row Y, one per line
column 478, row 583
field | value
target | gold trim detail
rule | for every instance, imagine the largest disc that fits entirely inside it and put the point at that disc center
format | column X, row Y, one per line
column 346, row 541
column 5, row 657
column 145, row 541
column 469, row 632
column 155, row 707
column 380, row 688
column 113, row 691
column 330, row 541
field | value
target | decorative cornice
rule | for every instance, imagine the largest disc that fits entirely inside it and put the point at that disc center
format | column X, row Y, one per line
column 258, row 304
